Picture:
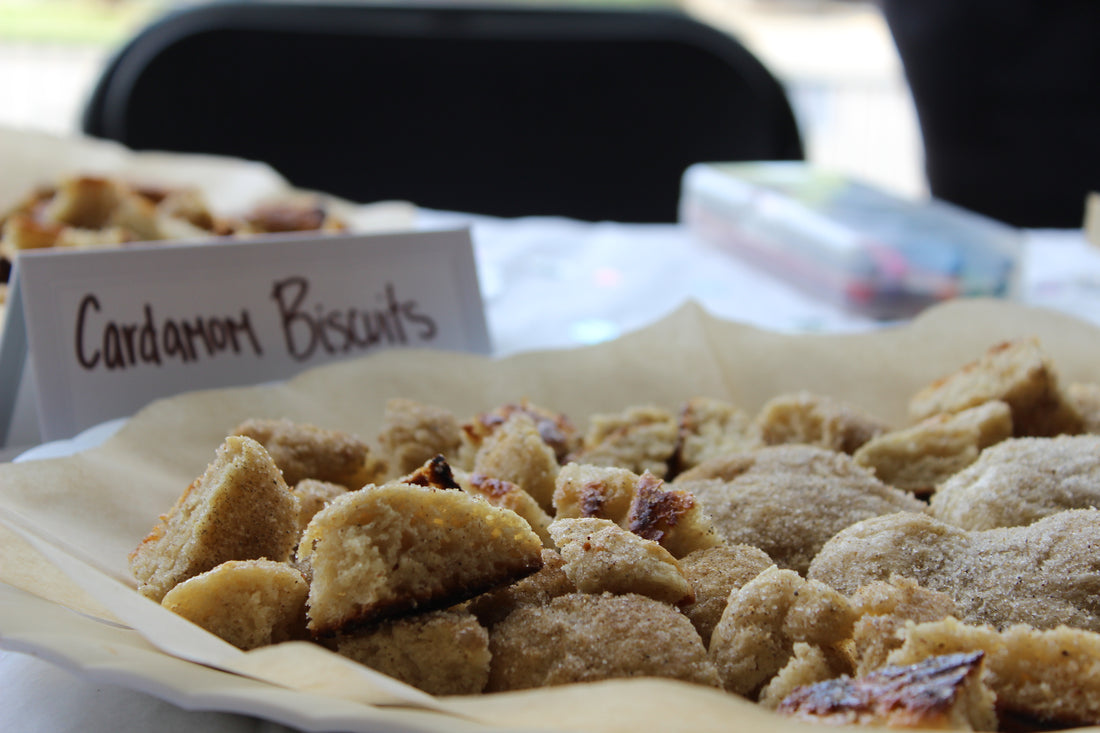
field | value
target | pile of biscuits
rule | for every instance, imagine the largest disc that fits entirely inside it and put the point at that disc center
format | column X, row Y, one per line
column 810, row 556
column 83, row 211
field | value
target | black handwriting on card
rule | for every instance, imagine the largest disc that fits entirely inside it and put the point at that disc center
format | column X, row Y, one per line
column 309, row 326
column 112, row 345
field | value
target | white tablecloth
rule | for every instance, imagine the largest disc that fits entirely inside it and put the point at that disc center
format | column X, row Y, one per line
column 551, row 283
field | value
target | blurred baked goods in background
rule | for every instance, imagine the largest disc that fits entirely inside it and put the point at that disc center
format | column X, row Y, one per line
column 85, row 211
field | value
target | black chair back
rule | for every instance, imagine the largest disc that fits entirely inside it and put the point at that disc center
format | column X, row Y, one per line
column 581, row 113
column 1008, row 97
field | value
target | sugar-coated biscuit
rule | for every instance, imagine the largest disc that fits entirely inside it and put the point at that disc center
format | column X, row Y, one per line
column 885, row 607
column 555, row 429
column 1050, row 677
column 713, row 573
column 536, row 589
column 943, row 692
column 641, row 438
column 813, row 419
column 808, row 665
column 584, row 490
column 600, row 556
column 499, row 492
column 249, row 603
column 516, row 452
column 581, row 637
column 670, row 516
column 1018, row 373
column 920, row 457
column 643, row 504
column 1046, row 574
column 709, row 428
column 302, row 451
column 763, row 620
column 313, row 496
column 239, row 509
column 444, row 652
column 1020, row 481
column 788, row 500
column 412, row 433
column 387, row 550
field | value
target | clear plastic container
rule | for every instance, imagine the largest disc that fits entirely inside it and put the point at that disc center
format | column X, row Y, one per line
column 852, row 244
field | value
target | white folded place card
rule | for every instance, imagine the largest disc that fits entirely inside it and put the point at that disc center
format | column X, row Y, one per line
column 107, row 331
column 1092, row 218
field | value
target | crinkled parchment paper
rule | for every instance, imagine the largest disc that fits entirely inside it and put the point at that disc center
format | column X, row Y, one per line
column 70, row 522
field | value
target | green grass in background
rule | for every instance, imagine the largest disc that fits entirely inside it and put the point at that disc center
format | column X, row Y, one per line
column 100, row 22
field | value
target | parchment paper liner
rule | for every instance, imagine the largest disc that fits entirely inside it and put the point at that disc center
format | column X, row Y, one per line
column 76, row 518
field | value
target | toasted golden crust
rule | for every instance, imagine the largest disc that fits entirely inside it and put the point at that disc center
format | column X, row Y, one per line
column 442, row 652
column 640, row 439
column 920, row 457
column 581, row 638
column 943, row 692
column 789, row 500
column 763, row 620
column 643, row 504
column 808, row 665
column 713, row 574
column 413, row 433
column 1015, row 372
column 584, row 490
column 670, row 516
column 811, row 419
column 555, row 428
column 1052, row 676
column 499, row 492
column 600, row 556
column 1022, row 480
column 1045, row 574
column 249, row 603
column 516, row 452
column 239, row 509
column 304, row 451
column 383, row 551
column 436, row 473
